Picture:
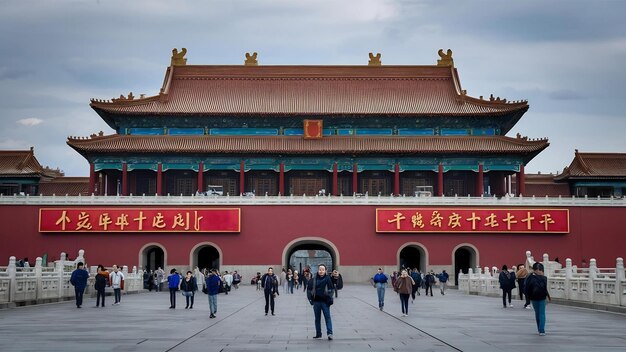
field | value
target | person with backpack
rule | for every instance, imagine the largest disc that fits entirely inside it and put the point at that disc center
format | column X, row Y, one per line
column 269, row 283
column 537, row 291
column 506, row 284
column 443, row 281
column 213, row 283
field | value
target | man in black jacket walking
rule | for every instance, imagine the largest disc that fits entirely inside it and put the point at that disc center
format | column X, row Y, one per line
column 320, row 295
column 269, row 282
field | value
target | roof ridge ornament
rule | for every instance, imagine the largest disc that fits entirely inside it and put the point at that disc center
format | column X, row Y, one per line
column 446, row 59
column 374, row 60
column 251, row 59
column 178, row 59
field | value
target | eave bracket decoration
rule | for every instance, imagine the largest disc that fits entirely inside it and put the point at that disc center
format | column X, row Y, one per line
column 251, row 59
column 446, row 59
column 178, row 58
column 374, row 60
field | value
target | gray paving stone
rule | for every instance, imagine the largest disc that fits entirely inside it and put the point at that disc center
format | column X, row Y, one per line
column 454, row 322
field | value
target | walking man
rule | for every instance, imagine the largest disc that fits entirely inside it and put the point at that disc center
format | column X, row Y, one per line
column 228, row 282
column 117, row 282
column 417, row 278
column 443, row 281
column 537, row 291
column 79, row 281
column 521, row 275
column 320, row 295
column 269, row 282
column 213, row 283
column 380, row 281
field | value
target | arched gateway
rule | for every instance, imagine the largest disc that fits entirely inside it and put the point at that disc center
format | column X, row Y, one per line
column 413, row 255
column 152, row 256
column 205, row 255
column 464, row 256
column 310, row 251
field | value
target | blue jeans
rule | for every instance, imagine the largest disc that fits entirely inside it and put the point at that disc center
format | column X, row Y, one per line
column 540, row 314
column 213, row 303
column 318, row 308
column 380, row 289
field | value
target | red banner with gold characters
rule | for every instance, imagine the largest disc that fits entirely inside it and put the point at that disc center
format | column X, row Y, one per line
column 470, row 220
column 139, row 220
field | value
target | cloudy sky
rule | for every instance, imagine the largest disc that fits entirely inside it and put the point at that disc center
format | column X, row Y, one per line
column 566, row 57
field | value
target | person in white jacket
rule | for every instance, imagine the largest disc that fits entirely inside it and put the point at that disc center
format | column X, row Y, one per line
column 117, row 277
column 228, row 281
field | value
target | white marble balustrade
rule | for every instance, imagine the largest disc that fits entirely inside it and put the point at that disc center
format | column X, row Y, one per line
column 605, row 286
column 47, row 284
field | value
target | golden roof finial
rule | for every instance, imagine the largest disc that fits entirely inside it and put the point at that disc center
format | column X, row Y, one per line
column 251, row 59
column 446, row 59
column 178, row 59
column 374, row 60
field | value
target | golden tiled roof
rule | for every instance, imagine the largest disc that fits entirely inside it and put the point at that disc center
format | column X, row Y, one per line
column 19, row 163
column 596, row 165
column 297, row 145
column 311, row 90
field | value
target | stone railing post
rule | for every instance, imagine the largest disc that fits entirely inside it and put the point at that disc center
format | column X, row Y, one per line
column 470, row 271
column 568, row 277
column 529, row 260
column 593, row 273
column 38, row 277
column 619, row 279
column 81, row 258
column 547, row 269
column 11, row 271
column 58, row 269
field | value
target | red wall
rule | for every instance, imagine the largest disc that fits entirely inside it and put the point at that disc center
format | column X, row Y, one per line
column 596, row 232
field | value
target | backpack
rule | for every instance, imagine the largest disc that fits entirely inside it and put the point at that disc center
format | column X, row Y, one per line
column 539, row 289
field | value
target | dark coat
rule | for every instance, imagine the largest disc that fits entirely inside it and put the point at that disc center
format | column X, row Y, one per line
column 320, row 288
column 79, row 278
column 189, row 286
column 507, row 280
column 213, row 284
column 101, row 282
column 269, row 283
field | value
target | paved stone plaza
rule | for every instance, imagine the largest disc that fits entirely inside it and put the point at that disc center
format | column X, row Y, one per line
column 454, row 322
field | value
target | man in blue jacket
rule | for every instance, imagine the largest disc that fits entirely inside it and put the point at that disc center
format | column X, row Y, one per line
column 79, row 281
column 320, row 295
column 443, row 281
column 380, row 281
column 213, row 283
column 173, row 281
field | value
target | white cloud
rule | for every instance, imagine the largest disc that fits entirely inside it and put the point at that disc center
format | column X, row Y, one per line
column 31, row 121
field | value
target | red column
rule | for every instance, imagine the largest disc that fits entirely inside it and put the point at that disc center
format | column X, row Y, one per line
column 480, row 188
column 242, row 177
column 440, row 181
column 124, row 179
column 92, row 178
column 159, row 183
column 396, row 180
column 281, row 179
column 520, row 180
column 335, row 180
column 201, row 177
column 355, row 178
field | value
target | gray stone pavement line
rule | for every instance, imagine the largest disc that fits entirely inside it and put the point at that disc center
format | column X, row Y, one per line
column 409, row 324
column 213, row 324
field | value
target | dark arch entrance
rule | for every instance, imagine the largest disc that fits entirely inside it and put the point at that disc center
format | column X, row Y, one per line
column 153, row 258
column 412, row 257
column 207, row 257
column 311, row 255
column 464, row 258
